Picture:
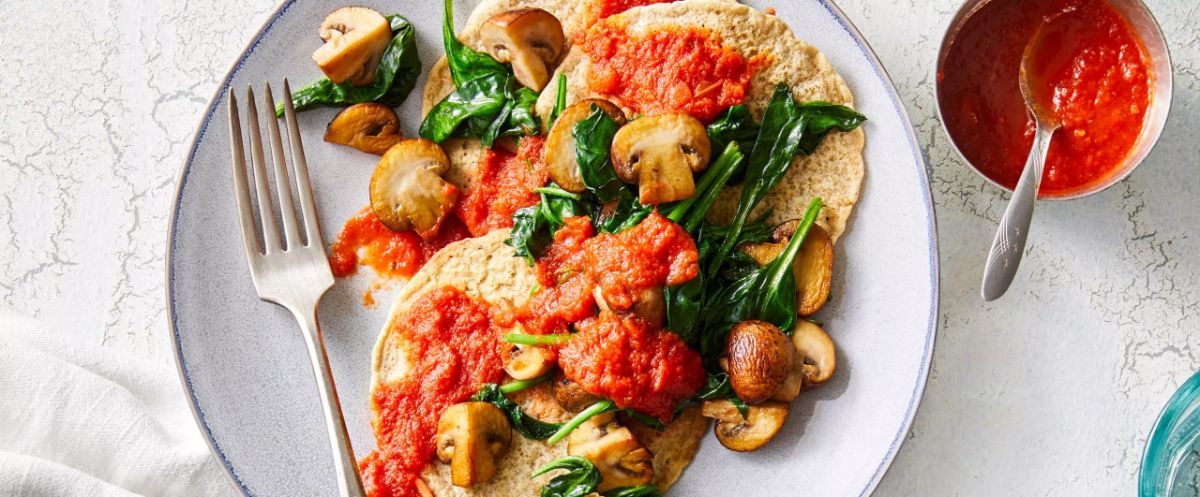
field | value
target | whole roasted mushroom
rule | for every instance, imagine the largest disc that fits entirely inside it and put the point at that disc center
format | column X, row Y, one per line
column 407, row 189
column 471, row 436
column 560, row 142
column 531, row 39
column 745, row 434
column 620, row 457
column 660, row 154
column 759, row 359
column 355, row 38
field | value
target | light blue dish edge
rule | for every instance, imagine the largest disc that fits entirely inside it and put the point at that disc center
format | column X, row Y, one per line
column 847, row 25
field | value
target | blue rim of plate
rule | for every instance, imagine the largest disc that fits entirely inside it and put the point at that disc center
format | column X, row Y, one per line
column 834, row 10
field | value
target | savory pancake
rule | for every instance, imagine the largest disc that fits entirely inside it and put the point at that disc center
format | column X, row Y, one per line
column 834, row 173
column 487, row 269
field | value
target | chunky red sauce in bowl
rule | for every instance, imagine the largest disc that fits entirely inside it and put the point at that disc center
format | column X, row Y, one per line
column 1104, row 65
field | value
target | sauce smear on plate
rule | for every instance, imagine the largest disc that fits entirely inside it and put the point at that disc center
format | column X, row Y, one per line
column 1090, row 63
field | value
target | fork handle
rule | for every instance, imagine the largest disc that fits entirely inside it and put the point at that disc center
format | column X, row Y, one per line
column 349, row 484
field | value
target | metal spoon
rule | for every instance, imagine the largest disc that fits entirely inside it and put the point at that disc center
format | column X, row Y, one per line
column 1009, row 245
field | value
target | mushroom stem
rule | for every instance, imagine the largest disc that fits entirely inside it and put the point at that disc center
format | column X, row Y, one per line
column 597, row 408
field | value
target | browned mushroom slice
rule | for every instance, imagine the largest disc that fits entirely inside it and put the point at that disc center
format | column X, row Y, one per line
column 560, row 142
column 571, row 395
column 369, row 127
column 471, row 436
column 813, row 267
column 760, row 357
column 620, row 457
column 761, row 424
column 407, row 189
column 526, row 362
column 355, row 38
column 648, row 305
column 531, row 39
column 660, row 154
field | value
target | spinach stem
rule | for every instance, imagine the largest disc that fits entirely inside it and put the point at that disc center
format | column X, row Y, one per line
column 558, row 192
column 518, row 385
column 560, row 100
column 595, row 409
column 718, row 174
column 536, row 340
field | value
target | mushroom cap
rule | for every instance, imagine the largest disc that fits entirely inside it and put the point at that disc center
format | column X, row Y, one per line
column 470, row 437
column 621, row 459
column 369, row 127
column 560, row 142
column 531, row 39
column 660, row 154
column 760, row 357
column 407, row 190
column 761, row 424
column 355, row 38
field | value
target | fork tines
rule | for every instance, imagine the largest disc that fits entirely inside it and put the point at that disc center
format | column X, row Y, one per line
column 284, row 175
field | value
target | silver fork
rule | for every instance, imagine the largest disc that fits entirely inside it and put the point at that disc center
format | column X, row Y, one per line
column 297, row 275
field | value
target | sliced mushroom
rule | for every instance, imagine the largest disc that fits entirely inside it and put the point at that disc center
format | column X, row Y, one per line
column 369, row 127
column 355, row 38
column 813, row 267
column 471, row 436
column 571, row 395
column 526, row 362
column 660, row 154
column 761, row 424
column 648, row 304
column 621, row 459
column 816, row 351
column 760, row 357
column 531, row 39
column 560, row 142
column 407, row 189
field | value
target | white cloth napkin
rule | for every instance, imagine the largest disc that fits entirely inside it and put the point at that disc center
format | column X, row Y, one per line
column 81, row 420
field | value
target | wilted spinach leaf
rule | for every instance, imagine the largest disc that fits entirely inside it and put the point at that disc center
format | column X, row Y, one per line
column 582, row 478
column 394, row 78
column 526, row 425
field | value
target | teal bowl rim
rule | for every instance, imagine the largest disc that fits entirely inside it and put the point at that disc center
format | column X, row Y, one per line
column 1155, row 457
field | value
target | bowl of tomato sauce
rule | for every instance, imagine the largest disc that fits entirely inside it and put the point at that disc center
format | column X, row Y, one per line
column 1104, row 62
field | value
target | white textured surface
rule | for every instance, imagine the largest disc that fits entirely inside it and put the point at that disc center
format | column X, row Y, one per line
column 1051, row 391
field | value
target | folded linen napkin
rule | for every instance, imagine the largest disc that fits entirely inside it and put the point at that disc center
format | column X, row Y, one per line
column 81, row 420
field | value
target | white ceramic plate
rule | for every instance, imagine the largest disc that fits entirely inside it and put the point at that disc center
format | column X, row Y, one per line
column 246, row 372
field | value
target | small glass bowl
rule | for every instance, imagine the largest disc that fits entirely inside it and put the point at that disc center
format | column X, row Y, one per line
column 1174, row 438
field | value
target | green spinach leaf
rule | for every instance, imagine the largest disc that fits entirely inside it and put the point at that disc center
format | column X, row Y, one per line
column 581, row 479
column 486, row 102
column 394, row 78
column 534, row 226
column 736, row 125
column 525, row 424
column 593, row 141
column 638, row 491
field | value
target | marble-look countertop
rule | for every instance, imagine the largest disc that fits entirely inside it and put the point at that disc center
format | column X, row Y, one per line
column 1050, row 391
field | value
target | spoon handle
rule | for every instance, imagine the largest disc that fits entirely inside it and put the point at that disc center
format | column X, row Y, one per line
column 1005, row 255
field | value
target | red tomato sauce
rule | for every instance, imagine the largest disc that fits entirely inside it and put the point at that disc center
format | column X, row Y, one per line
column 681, row 69
column 503, row 184
column 453, row 348
column 367, row 242
column 634, row 365
column 1091, row 62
